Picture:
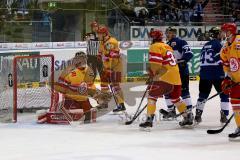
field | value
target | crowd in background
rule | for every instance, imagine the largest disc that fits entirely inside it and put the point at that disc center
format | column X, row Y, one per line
column 175, row 11
column 232, row 7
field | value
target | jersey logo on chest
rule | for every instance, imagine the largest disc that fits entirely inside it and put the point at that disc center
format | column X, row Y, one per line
column 234, row 64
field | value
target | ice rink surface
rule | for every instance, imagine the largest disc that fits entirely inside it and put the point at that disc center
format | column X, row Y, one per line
column 108, row 139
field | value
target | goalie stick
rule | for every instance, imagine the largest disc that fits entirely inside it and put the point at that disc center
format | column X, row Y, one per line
column 212, row 131
column 66, row 114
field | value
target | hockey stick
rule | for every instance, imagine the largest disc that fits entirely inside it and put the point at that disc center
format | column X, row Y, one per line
column 65, row 112
column 212, row 131
column 136, row 113
column 135, row 117
column 231, row 86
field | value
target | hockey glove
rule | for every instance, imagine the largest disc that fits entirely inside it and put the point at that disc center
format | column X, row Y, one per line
column 102, row 97
column 226, row 85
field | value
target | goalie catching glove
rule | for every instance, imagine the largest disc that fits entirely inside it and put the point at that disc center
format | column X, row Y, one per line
column 102, row 97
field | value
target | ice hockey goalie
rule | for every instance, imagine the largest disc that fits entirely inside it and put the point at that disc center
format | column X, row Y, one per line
column 71, row 96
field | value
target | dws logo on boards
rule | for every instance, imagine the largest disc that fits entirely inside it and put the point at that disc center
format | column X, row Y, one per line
column 139, row 33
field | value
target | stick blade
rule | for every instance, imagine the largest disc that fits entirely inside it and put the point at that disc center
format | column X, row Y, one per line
column 210, row 131
column 128, row 122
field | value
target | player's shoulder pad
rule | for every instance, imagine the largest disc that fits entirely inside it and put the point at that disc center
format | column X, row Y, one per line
column 184, row 42
column 237, row 39
column 113, row 40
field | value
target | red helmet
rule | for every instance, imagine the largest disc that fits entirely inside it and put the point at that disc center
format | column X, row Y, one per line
column 156, row 34
column 103, row 29
column 94, row 24
column 232, row 27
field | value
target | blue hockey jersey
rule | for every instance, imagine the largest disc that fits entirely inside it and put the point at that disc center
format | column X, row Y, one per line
column 210, row 62
column 182, row 53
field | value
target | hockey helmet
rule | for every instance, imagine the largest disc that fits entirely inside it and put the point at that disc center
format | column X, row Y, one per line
column 156, row 34
column 103, row 30
column 214, row 32
column 80, row 59
column 171, row 29
column 94, row 24
column 232, row 27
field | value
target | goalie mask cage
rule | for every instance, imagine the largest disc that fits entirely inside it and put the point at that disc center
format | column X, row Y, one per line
column 26, row 84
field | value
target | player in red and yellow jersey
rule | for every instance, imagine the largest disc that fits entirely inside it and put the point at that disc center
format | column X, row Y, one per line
column 230, row 55
column 75, row 84
column 166, row 80
column 109, row 53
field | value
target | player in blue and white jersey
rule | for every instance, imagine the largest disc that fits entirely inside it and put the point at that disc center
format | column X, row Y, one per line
column 182, row 54
column 211, row 74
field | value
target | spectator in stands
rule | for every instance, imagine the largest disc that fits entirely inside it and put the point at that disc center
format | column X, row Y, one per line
column 172, row 16
column 59, row 23
column 185, row 7
column 142, row 17
column 141, row 12
column 140, row 6
column 236, row 17
column 198, row 11
column 127, row 7
column 151, row 5
column 160, row 17
column 185, row 15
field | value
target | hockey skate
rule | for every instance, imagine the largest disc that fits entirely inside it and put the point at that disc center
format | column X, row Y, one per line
column 146, row 126
column 168, row 115
column 198, row 116
column 187, row 120
column 223, row 117
column 235, row 135
column 120, row 109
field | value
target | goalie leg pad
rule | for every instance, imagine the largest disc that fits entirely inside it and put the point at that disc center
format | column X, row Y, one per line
column 72, row 104
column 58, row 117
column 41, row 116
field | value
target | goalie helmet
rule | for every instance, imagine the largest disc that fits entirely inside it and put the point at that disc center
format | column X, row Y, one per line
column 80, row 59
